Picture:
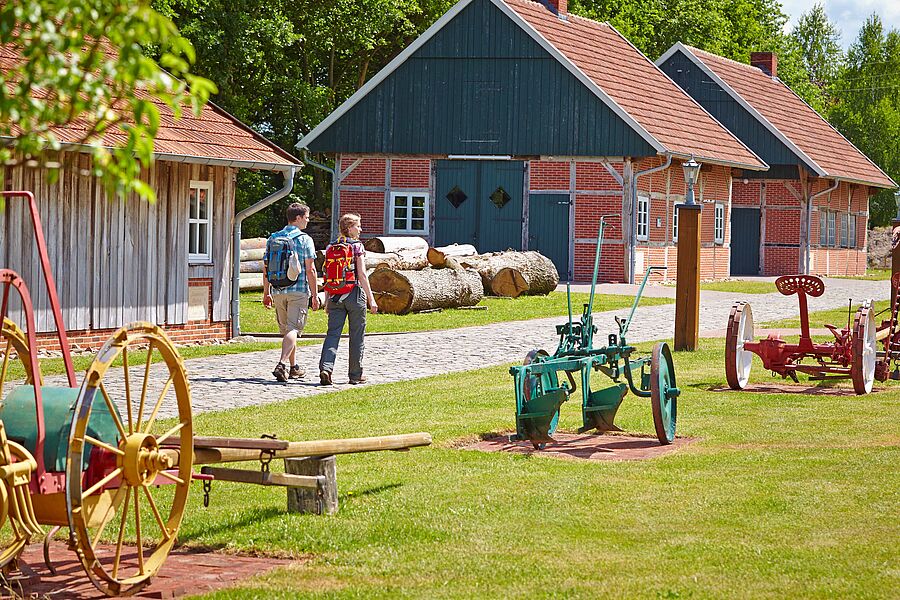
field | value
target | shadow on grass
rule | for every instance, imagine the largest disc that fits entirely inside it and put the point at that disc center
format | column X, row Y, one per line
column 369, row 492
column 250, row 519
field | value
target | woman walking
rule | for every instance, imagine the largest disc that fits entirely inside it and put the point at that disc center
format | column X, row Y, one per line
column 348, row 296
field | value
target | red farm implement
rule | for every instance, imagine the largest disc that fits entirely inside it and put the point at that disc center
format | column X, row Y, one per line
column 113, row 458
column 853, row 353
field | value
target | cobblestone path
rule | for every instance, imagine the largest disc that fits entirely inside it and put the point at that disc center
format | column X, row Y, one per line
column 223, row 382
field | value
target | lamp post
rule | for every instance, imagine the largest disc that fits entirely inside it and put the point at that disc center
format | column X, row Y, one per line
column 691, row 172
column 687, row 285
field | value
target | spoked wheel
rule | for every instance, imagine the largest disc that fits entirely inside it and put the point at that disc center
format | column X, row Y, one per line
column 738, row 361
column 15, row 501
column 863, row 357
column 13, row 340
column 535, row 385
column 663, row 393
column 135, row 487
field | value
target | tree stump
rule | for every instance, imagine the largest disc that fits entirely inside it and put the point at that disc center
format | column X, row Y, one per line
column 306, row 500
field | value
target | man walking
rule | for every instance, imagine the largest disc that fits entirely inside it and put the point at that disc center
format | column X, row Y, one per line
column 289, row 284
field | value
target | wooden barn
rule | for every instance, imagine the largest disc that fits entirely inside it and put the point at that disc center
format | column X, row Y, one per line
column 514, row 124
column 808, row 212
column 118, row 261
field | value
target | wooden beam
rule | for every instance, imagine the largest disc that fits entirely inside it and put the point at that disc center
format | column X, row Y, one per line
column 264, row 477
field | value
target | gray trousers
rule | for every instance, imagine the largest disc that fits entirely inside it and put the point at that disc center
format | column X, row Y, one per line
column 352, row 308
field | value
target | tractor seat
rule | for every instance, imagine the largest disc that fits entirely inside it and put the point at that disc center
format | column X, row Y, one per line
column 793, row 284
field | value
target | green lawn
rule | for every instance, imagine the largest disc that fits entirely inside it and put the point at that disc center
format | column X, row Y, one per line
column 835, row 316
column 871, row 274
column 782, row 496
column 256, row 319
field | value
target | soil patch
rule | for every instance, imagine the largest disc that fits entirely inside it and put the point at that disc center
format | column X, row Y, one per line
column 184, row 572
column 585, row 446
column 791, row 388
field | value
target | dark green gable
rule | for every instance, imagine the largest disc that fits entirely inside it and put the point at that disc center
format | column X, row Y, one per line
column 691, row 78
column 481, row 85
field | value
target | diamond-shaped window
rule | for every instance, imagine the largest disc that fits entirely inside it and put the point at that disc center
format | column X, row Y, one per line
column 500, row 198
column 456, row 196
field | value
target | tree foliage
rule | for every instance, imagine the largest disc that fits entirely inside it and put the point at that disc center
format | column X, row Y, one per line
column 819, row 43
column 867, row 105
column 82, row 63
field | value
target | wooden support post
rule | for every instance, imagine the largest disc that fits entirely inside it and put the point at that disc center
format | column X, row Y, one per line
column 323, row 500
column 895, row 254
column 687, row 288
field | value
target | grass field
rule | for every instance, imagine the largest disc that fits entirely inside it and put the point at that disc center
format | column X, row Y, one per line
column 256, row 319
column 744, row 287
column 871, row 274
column 782, row 496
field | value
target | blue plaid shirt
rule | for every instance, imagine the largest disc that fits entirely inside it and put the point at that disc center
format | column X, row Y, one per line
column 304, row 247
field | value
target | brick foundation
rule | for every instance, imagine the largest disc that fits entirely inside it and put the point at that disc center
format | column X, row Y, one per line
column 92, row 339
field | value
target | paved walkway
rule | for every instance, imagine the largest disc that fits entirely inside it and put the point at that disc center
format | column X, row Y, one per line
column 223, row 382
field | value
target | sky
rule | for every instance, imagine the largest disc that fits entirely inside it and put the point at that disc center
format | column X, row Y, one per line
column 848, row 15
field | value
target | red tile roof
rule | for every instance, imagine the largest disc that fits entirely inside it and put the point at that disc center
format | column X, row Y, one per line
column 212, row 135
column 638, row 86
column 796, row 121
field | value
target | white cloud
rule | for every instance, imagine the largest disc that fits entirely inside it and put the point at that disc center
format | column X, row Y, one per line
column 848, row 15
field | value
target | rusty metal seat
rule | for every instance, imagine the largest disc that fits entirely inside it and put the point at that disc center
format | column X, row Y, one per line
column 808, row 284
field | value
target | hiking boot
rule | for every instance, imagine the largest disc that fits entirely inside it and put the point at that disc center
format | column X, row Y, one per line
column 297, row 372
column 325, row 377
column 358, row 380
column 280, row 372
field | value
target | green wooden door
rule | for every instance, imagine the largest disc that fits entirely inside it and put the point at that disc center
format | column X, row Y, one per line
column 548, row 229
column 479, row 202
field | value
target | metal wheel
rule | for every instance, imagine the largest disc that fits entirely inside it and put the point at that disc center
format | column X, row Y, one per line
column 862, row 365
column 16, row 468
column 738, row 361
column 535, row 385
column 125, row 483
column 663, row 393
column 13, row 340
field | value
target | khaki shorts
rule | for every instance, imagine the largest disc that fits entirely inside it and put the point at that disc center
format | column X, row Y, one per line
column 291, row 310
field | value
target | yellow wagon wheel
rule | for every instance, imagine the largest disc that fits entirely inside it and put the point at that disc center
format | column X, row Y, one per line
column 151, row 407
column 14, row 340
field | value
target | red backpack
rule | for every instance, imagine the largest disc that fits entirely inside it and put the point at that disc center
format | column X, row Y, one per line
column 340, row 268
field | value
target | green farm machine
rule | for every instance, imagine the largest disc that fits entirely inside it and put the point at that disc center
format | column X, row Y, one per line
column 539, row 393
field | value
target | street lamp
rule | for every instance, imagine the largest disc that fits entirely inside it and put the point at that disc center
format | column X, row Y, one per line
column 691, row 172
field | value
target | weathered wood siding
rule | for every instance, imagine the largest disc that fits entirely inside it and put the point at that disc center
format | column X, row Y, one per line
column 116, row 261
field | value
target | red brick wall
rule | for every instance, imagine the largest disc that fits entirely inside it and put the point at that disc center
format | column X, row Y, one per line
column 406, row 173
column 838, row 260
column 92, row 339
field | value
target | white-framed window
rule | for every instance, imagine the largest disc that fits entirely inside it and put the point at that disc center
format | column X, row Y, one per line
column 852, row 221
column 409, row 213
column 831, row 238
column 845, row 230
column 674, row 222
column 719, row 223
column 643, row 218
column 200, row 222
column 823, row 228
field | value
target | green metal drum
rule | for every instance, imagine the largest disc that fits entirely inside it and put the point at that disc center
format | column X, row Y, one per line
column 18, row 414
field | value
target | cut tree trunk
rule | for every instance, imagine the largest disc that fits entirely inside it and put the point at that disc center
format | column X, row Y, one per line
column 251, row 281
column 405, row 260
column 437, row 257
column 396, row 244
column 402, row 292
column 252, row 266
column 253, row 254
column 513, row 274
column 253, row 243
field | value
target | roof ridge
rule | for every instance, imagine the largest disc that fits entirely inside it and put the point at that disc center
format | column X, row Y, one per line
column 568, row 14
column 726, row 59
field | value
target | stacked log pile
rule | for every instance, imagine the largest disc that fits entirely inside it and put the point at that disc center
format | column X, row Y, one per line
column 409, row 276
column 252, row 269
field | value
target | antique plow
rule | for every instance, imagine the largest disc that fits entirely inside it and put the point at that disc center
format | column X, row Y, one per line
column 539, row 393
column 852, row 354
column 113, row 458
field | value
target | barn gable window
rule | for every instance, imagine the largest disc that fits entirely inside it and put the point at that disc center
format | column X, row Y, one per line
column 643, row 218
column 719, row 224
column 200, row 222
column 409, row 213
